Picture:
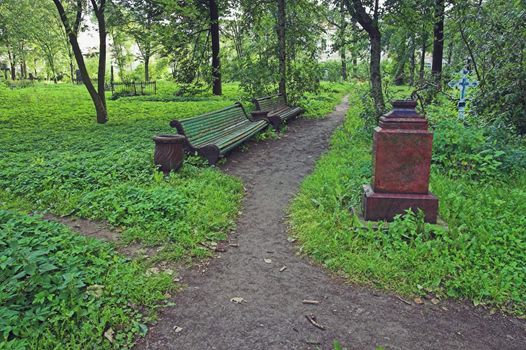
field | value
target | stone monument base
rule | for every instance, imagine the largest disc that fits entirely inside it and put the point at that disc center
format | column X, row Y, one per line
column 385, row 206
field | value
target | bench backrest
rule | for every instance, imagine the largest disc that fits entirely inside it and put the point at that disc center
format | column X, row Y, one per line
column 270, row 103
column 211, row 124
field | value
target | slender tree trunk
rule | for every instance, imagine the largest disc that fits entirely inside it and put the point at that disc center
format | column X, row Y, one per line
column 101, row 76
column 343, row 26
column 449, row 53
column 423, row 57
column 216, row 63
column 438, row 42
column 402, row 56
column 370, row 24
column 344, row 64
column 71, row 72
column 412, row 63
column 147, row 67
column 376, row 77
column 282, row 48
column 12, row 60
column 100, row 107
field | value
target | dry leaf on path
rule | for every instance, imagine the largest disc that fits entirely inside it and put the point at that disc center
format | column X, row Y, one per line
column 418, row 301
column 238, row 300
column 435, row 301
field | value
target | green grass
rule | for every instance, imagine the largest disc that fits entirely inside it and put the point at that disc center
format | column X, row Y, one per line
column 481, row 257
column 318, row 105
column 60, row 289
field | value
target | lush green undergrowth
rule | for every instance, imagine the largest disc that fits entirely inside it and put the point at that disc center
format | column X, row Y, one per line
column 62, row 290
column 58, row 289
column 320, row 104
column 480, row 256
column 56, row 158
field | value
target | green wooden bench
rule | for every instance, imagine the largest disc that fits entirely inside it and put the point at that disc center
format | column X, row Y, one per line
column 277, row 108
column 213, row 134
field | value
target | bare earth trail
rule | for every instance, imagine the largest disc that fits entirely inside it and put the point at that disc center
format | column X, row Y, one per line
column 273, row 316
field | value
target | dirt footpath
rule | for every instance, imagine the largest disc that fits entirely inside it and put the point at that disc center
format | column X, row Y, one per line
column 271, row 313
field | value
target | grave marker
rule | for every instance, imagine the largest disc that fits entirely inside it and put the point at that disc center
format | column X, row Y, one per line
column 462, row 84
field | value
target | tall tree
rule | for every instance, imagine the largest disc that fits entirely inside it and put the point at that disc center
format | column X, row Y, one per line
column 214, row 33
column 139, row 19
column 370, row 24
column 98, row 98
column 282, row 48
column 438, row 42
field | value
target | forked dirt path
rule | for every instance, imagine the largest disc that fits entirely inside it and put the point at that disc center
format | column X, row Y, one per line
column 273, row 316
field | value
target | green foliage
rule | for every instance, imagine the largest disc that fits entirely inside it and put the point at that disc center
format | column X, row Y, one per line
column 59, row 289
column 473, row 150
column 318, row 105
column 479, row 256
column 488, row 34
column 58, row 160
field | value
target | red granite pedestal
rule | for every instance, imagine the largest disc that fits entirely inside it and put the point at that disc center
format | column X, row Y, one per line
column 401, row 166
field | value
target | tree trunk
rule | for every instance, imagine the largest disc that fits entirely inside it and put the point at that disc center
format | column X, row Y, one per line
column 147, row 67
column 376, row 77
column 344, row 64
column 423, row 57
column 438, row 42
column 101, row 76
column 216, row 63
column 343, row 26
column 402, row 56
column 12, row 63
column 100, row 106
column 282, row 53
column 71, row 72
column 412, row 63
column 358, row 12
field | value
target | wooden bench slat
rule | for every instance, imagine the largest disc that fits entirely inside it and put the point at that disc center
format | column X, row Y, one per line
column 213, row 134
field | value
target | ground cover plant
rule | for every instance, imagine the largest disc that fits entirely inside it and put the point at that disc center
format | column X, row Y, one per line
column 56, row 159
column 480, row 256
column 58, row 288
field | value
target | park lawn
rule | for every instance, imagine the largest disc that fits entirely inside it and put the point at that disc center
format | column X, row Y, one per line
column 61, row 289
column 481, row 257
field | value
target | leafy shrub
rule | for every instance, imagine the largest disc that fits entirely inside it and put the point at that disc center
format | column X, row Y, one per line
column 464, row 151
column 61, row 289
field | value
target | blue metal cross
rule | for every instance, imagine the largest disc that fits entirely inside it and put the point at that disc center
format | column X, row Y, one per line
column 462, row 84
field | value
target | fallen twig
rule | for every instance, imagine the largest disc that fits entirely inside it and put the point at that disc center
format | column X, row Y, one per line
column 312, row 320
column 405, row 301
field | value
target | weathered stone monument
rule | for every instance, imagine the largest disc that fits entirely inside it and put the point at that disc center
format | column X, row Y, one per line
column 401, row 166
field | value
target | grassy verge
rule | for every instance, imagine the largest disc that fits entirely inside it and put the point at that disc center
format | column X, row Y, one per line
column 481, row 257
